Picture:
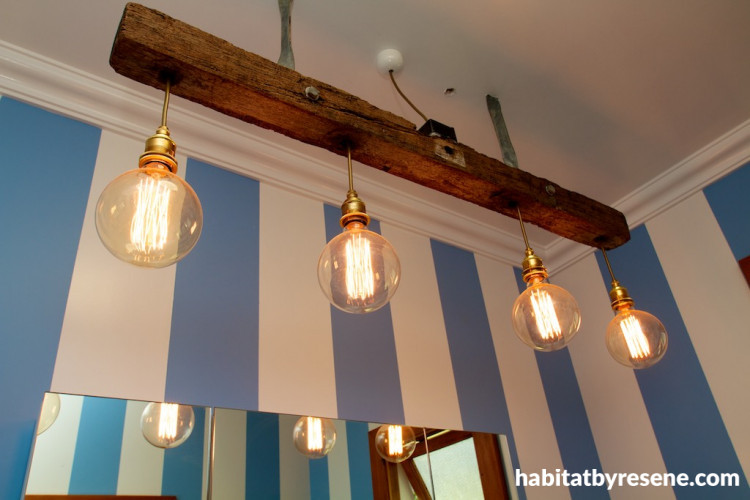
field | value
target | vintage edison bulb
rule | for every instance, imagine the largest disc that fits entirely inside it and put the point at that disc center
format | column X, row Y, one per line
column 167, row 425
column 358, row 270
column 636, row 338
column 545, row 316
column 395, row 443
column 149, row 216
column 314, row 437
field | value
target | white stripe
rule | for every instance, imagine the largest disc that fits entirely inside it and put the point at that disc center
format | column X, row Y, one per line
column 230, row 455
column 428, row 387
column 339, row 485
column 296, row 373
column 620, row 424
column 115, row 334
column 52, row 459
column 530, row 419
column 141, row 464
column 294, row 468
column 713, row 298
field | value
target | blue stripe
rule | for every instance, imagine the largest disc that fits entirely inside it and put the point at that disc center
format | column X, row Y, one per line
column 478, row 383
column 182, row 474
column 262, row 474
column 730, row 204
column 319, row 487
column 364, row 353
column 96, row 462
column 213, row 348
column 569, row 419
column 358, row 446
column 687, row 423
column 47, row 163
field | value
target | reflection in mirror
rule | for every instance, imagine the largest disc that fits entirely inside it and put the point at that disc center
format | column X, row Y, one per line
column 96, row 447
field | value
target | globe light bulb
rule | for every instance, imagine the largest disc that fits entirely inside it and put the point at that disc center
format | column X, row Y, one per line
column 49, row 413
column 314, row 437
column 395, row 443
column 545, row 316
column 636, row 338
column 149, row 216
column 167, row 425
column 358, row 270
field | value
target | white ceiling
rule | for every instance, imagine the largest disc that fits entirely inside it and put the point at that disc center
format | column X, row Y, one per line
column 600, row 96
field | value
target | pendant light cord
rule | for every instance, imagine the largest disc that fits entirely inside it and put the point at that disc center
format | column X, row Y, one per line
column 349, row 166
column 523, row 229
column 609, row 266
column 166, row 105
column 424, row 117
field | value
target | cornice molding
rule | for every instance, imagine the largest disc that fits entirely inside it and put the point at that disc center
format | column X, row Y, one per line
column 282, row 162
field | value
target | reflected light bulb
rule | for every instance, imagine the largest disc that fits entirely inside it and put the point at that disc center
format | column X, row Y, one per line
column 314, row 437
column 50, row 411
column 636, row 338
column 395, row 443
column 167, row 425
column 358, row 270
column 545, row 316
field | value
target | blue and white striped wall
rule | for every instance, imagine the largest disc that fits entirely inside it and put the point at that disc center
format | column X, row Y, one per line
column 241, row 323
column 95, row 447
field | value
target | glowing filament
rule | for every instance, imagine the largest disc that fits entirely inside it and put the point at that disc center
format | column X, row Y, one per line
column 168, row 420
column 635, row 339
column 546, row 318
column 395, row 440
column 314, row 434
column 148, row 230
column 360, row 281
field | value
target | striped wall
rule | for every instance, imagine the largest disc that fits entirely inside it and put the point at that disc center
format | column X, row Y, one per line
column 241, row 323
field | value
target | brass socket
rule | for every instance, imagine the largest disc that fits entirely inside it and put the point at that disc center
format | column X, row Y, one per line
column 533, row 267
column 161, row 148
column 353, row 209
column 619, row 297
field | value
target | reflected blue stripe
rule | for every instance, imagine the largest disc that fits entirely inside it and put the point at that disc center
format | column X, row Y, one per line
column 182, row 474
column 319, row 487
column 96, row 461
column 213, row 348
column 479, row 386
column 358, row 446
column 687, row 423
column 43, row 194
column 569, row 419
column 730, row 204
column 262, row 473
column 368, row 387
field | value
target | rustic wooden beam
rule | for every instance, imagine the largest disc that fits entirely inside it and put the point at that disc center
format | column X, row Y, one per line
column 216, row 74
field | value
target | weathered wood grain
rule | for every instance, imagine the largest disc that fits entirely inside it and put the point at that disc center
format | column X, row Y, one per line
column 216, row 74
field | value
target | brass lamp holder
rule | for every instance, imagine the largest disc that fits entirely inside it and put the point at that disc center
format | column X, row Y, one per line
column 160, row 148
column 533, row 269
column 618, row 294
column 353, row 209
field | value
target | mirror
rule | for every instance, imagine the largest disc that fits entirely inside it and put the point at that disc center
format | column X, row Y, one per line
column 96, row 446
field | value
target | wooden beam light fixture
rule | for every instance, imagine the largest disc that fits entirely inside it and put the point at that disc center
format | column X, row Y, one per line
column 218, row 75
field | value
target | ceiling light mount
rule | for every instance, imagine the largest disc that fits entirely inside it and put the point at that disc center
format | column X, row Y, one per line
column 389, row 60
